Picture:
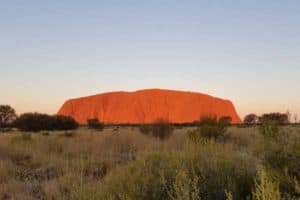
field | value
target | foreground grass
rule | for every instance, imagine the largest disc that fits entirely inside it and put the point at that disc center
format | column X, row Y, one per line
column 125, row 164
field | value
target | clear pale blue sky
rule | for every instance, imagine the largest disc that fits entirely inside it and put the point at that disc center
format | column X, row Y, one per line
column 244, row 50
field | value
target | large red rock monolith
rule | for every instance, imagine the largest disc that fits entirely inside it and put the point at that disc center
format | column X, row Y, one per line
column 146, row 106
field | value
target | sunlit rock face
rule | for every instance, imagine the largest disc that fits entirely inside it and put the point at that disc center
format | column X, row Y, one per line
column 146, row 106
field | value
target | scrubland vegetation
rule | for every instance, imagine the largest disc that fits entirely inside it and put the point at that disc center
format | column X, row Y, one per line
column 122, row 164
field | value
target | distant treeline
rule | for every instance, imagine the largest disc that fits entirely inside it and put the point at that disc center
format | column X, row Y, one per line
column 38, row 122
column 279, row 118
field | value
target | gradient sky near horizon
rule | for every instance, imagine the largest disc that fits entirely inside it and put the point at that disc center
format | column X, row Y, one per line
column 247, row 51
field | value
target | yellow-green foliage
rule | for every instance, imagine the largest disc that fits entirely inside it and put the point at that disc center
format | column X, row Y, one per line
column 185, row 186
column 266, row 188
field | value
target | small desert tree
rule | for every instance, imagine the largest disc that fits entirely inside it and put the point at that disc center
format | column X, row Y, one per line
column 251, row 119
column 7, row 116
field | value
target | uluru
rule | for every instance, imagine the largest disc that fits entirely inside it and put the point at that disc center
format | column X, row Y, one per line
column 146, row 106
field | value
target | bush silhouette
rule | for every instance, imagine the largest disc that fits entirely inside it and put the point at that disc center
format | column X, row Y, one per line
column 161, row 129
column 280, row 118
column 251, row 119
column 64, row 123
column 95, row 124
column 7, row 116
column 37, row 122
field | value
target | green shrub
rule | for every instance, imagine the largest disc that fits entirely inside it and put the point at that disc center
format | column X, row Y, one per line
column 185, row 186
column 281, row 157
column 210, row 128
column 95, row 124
column 266, row 188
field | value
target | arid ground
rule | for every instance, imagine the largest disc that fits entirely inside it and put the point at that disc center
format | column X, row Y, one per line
column 122, row 163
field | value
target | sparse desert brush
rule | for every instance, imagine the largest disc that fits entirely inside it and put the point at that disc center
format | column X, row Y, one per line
column 205, row 173
column 95, row 124
column 280, row 155
column 243, row 137
column 161, row 129
column 130, row 165
column 209, row 128
column 269, row 129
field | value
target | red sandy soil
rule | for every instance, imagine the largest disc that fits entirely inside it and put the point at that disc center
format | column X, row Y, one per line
column 146, row 106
